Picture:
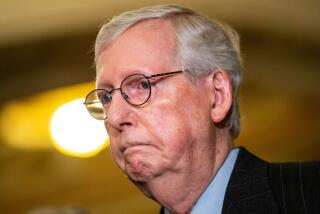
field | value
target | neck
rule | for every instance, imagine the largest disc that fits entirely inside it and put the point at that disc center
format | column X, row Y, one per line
column 179, row 191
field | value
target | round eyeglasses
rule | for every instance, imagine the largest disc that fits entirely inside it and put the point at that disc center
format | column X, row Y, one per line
column 135, row 90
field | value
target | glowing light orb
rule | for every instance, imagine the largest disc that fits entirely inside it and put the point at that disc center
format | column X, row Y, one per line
column 75, row 132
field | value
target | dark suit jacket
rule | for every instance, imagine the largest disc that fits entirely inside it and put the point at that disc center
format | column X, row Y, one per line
column 256, row 186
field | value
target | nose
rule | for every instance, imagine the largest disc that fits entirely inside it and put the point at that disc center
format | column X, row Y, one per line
column 119, row 112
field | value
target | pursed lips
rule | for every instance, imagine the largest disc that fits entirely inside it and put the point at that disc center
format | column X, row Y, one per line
column 133, row 144
column 125, row 146
column 128, row 140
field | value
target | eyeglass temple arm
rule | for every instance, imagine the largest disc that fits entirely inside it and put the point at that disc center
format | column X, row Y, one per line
column 166, row 73
column 84, row 103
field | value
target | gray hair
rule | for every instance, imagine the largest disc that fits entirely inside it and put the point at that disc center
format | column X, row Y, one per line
column 204, row 46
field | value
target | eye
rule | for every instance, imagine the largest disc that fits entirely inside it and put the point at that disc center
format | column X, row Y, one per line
column 105, row 97
column 134, row 83
column 144, row 84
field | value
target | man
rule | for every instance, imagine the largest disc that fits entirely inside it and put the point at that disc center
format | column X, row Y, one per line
column 167, row 81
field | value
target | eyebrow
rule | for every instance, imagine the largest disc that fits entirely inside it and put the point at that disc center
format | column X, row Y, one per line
column 102, row 84
column 105, row 85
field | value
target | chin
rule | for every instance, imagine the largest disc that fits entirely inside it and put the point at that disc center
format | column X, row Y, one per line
column 140, row 173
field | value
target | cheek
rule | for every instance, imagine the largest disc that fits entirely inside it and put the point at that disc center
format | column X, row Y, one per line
column 179, row 118
column 169, row 128
column 176, row 110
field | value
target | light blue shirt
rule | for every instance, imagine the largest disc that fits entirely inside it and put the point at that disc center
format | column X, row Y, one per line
column 211, row 200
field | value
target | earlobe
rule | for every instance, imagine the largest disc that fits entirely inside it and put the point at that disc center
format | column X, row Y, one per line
column 221, row 95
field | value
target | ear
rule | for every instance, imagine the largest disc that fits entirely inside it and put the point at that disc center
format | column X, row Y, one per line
column 220, row 94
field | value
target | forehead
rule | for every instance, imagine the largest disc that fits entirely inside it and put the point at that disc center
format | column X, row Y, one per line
column 149, row 47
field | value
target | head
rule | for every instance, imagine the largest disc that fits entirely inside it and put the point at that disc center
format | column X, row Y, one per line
column 203, row 46
column 180, row 128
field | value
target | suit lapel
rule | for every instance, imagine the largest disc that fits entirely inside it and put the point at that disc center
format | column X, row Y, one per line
column 248, row 190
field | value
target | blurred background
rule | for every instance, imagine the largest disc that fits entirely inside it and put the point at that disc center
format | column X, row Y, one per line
column 46, row 62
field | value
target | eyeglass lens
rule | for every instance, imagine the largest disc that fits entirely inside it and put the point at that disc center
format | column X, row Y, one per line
column 135, row 89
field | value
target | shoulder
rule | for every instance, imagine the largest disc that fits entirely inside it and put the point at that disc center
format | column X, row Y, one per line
column 296, row 186
column 257, row 185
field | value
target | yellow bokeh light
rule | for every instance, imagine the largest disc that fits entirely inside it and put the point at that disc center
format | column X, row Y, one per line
column 75, row 132
column 25, row 122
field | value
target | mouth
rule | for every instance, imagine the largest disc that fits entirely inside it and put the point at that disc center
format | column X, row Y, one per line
column 133, row 148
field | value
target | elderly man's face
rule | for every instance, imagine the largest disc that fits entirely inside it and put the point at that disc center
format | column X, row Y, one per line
column 169, row 134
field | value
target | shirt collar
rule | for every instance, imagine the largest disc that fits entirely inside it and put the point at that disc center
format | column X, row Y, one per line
column 211, row 200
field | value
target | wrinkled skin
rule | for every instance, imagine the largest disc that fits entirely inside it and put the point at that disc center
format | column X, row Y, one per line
column 169, row 143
